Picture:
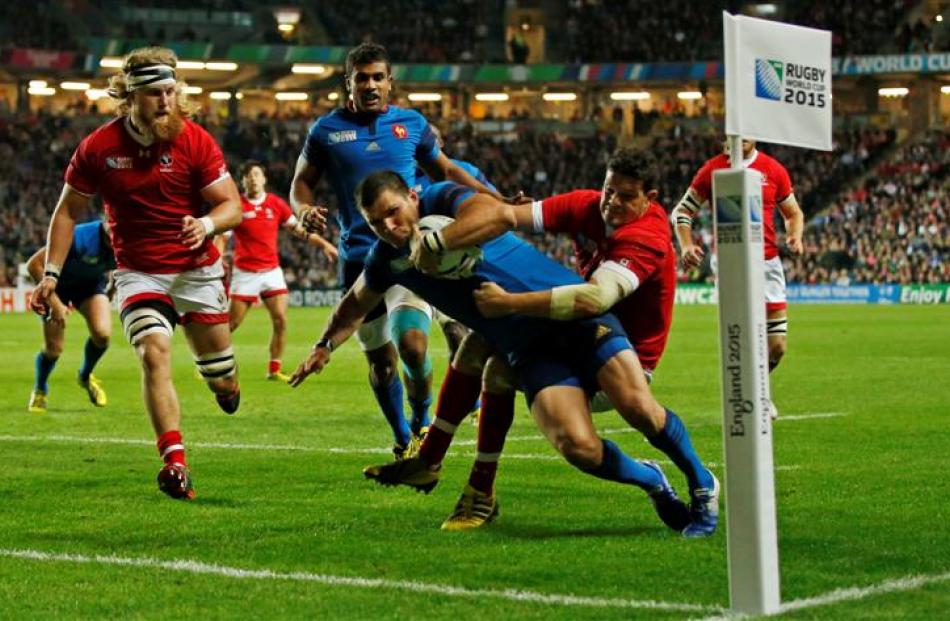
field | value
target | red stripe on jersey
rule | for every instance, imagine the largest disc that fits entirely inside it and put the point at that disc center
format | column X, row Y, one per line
column 147, row 295
column 204, row 318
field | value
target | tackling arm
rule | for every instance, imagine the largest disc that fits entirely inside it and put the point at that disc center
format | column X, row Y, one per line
column 607, row 286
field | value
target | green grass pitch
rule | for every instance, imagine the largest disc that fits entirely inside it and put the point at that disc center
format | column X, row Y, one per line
column 285, row 526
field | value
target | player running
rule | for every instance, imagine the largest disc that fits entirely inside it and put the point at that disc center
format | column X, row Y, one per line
column 155, row 171
column 256, row 272
column 368, row 135
column 776, row 191
column 558, row 365
column 81, row 283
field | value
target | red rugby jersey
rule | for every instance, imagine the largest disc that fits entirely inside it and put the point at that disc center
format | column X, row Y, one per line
column 644, row 246
column 776, row 187
column 147, row 189
column 255, row 239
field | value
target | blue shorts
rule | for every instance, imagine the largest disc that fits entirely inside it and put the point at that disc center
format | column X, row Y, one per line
column 76, row 292
column 571, row 356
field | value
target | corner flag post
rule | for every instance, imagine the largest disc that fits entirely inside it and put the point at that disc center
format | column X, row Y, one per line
column 778, row 89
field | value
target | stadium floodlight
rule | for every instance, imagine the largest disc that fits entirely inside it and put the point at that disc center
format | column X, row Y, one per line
column 221, row 66
column 945, row 90
column 75, row 86
column 425, row 96
column 491, row 96
column 310, row 69
column 110, row 62
column 222, row 95
column 285, row 27
column 629, row 95
column 192, row 90
column 42, row 91
column 190, row 64
column 939, row 17
column 688, row 95
column 96, row 93
column 291, row 96
column 559, row 96
column 333, row 96
column 37, row 83
column 893, row 91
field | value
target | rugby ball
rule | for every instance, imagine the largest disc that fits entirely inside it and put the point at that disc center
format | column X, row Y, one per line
column 454, row 264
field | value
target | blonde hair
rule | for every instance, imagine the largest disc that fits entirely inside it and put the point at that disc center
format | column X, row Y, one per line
column 141, row 57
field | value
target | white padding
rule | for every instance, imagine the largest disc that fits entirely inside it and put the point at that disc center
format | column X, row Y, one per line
column 143, row 321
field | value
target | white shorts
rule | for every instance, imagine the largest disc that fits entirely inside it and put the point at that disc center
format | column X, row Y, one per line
column 196, row 295
column 375, row 333
column 398, row 296
column 775, row 285
column 247, row 286
column 774, row 282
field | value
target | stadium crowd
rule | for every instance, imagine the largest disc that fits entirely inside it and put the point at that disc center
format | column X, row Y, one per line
column 893, row 228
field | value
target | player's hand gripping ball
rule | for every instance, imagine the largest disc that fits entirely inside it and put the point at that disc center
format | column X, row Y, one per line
column 428, row 257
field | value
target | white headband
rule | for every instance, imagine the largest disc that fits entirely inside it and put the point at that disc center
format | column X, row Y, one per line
column 150, row 75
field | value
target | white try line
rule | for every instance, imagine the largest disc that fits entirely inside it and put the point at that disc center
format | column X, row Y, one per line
column 294, row 448
column 850, row 594
column 620, row 430
column 513, row 595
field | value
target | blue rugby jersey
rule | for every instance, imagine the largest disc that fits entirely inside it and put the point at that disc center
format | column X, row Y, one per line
column 350, row 145
column 509, row 261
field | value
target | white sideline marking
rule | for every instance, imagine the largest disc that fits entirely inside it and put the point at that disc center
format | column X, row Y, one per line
column 295, row 448
column 849, row 594
column 515, row 595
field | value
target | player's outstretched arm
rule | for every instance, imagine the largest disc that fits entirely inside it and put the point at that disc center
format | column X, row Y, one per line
column 312, row 216
column 794, row 224
column 71, row 206
column 347, row 317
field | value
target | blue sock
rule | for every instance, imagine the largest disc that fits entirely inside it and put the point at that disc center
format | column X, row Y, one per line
column 420, row 413
column 674, row 441
column 43, row 367
column 619, row 467
column 390, row 402
column 90, row 356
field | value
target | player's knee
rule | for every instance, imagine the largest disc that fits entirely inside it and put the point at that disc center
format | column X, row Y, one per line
column 584, row 452
column 223, row 385
column 279, row 323
column 217, row 368
column 382, row 372
column 413, row 345
column 155, row 355
column 472, row 354
column 498, row 377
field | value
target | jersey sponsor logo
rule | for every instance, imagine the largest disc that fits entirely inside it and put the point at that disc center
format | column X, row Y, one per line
column 602, row 332
column 165, row 162
column 250, row 214
column 119, row 162
column 400, row 131
column 343, row 136
column 373, row 146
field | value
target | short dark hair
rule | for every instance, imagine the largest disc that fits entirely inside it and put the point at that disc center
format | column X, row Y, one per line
column 248, row 165
column 638, row 164
column 372, row 187
column 366, row 53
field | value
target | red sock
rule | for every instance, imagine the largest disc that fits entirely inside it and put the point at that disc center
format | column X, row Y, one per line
column 273, row 366
column 457, row 396
column 170, row 447
column 498, row 410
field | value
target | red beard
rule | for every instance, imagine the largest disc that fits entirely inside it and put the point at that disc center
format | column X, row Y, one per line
column 166, row 128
